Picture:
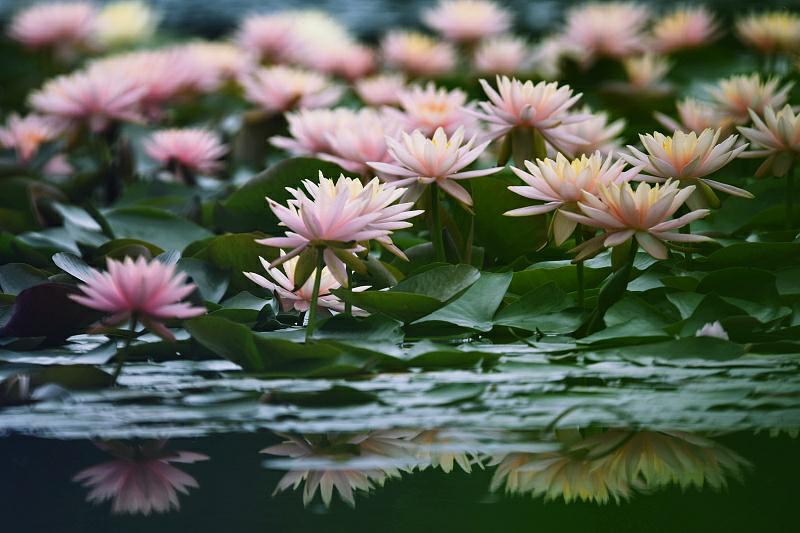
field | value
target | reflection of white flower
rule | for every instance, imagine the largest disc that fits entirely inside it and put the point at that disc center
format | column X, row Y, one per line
column 140, row 480
column 329, row 456
column 440, row 449
column 712, row 329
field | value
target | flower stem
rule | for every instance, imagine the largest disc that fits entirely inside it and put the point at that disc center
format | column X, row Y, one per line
column 687, row 255
column 123, row 354
column 312, row 311
column 789, row 199
column 579, row 266
column 613, row 290
column 436, row 224
column 348, row 307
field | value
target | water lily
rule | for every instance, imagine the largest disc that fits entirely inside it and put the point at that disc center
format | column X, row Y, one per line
column 95, row 97
column 421, row 161
column 597, row 133
column 737, row 95
column 775, row 137
column 417, row 54
column 693, row 116
column 646, row 75
column 357, row 141
column 685, row 27
column 606, row 29
column 141, row 479
column 217, row 63
column 382, row 89
column 149, row 292
column 467, row 20
column 186, row 151
column 542, row 108
column 771, row 32
column 299, row 298
column 687, row 157
column 63, row 26
column 278, row 89
column 311, row 129
column 268, row 37
column 644, row 214
column 502, row 55
column 25, row 135
column 429, row 108
column 124, row 23
column 712, row 329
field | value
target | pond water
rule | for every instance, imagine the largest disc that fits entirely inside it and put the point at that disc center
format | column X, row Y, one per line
column 631, row 442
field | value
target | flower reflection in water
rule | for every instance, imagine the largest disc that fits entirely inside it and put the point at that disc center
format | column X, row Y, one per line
column 140, row 479
column 614, row 464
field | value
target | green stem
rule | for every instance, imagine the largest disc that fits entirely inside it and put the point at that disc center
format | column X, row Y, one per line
column 436, row 224
column 687, row 255
column 579, row 266
column 312, row 310
column 610, row 295
column 348, row 307
column 122, row 355
column 789, row 199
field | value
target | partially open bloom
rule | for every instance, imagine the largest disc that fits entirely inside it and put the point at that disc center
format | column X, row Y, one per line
column 646, row 75
column 140, row 479
column 543, row 107
column 596, row 134
column 735, row 96
column 188, row 149
column 150, row 292
column 428, row 108
column 687, row 157
column 283, row 286
column 26, row 135
column 771, row 32
column 361, row 139
column 502, row 55
column 126, row 22
column 712, row 329
column 63, row 26
column 685, row 27
column 278, row 89
column 693, row 115
column 776, row 137
column 467, row 20
column 267, row 37
column 95, row 97
column 606, row 29
column 337, row 216
column 561, row 184
column 310, row 129
column 420, row 161
column 417, row 54
column 644, row 213
column 383, row 89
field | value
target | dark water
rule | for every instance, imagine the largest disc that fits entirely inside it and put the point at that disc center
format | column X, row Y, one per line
column 234, row 488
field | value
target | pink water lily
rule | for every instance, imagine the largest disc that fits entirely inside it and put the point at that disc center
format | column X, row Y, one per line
column 686, row 157
column 771, row 32
column 150, row 292
column 685, row 27
column 428, row 108
column 26, row 134
column 278, row 89
column 417, row 54
column 467, row 20
column 776, row 137
column 542, row 106
column 693, row 115
column 598, row 133
column 310, row 130
column 420, row 161
column 383, row 89
column 194, row 149
column 606, row 29
column 644, row 214
column 62, row 25
column 734, row 97
column 339, row 215
column 361, row 139
column 283, row 286
column 502, row 55
column 560, row 184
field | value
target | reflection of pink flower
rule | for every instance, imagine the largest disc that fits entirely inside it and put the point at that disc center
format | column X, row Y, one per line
column 58, row 24
column 96, row 97
column 141, row 479
column 151, row 291
column 26, row 135
column 467, row 20
column 197, row 150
